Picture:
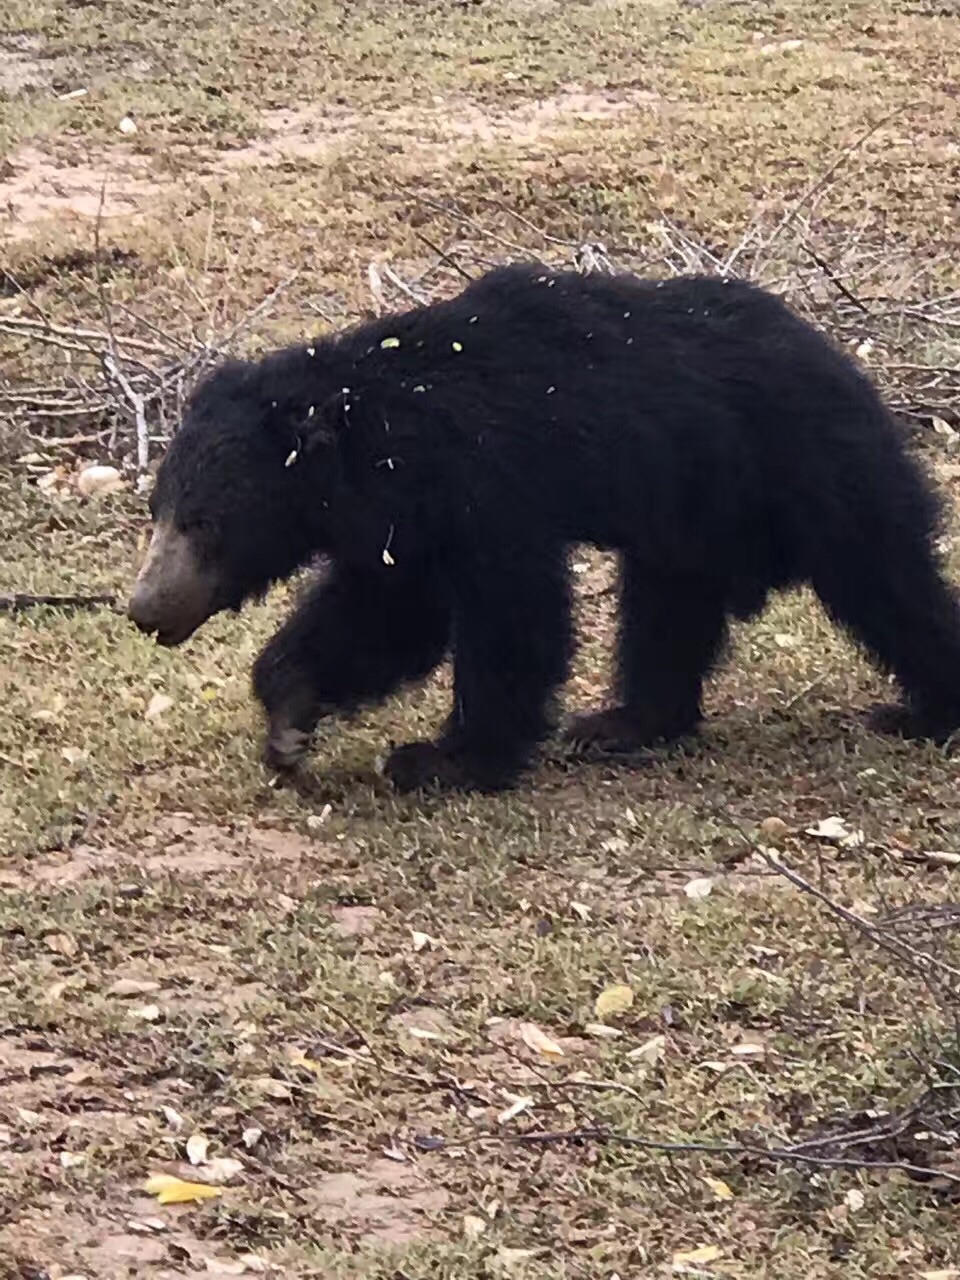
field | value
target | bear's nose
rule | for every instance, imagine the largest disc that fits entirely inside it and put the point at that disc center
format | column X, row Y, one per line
column 142, row 611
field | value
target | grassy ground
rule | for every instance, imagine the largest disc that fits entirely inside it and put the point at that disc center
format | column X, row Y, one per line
column 336, row 988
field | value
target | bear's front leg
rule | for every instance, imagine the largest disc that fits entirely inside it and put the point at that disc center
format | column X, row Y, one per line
column 512, row 640
column 355, row 638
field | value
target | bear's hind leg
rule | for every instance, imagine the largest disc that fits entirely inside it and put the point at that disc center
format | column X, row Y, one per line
column 672, row 630
column 354, row 639
column 907, row 617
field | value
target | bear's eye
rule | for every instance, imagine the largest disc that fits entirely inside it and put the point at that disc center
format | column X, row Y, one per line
column 201, row 526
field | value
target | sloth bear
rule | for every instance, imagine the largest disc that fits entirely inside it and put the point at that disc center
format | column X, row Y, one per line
column 444, row 460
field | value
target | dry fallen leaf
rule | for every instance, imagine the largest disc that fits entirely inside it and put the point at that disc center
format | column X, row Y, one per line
column 197, row 1146
column 158, row 704
column 148, row 1013
column 98, row 482
column 62, row 943
column 173, row 1118
column 774, row 829
column 943, row 428
column 222, row 1267
column 223, row 1169
column 581, row 909
column 147, row 1226
column 749, row 1049
column 835, row 831
column 273, row 1088
column 613, row 1000
column 516, row 1107
column 651, row 1052
column 699, row 888
column 423, row 1033
column 705, row 1253
column 132, row 987
column 854, row 1199
column 171, row 1190
column 317, row 820
column 600, row 1031
column 719, row 1188
column 473, row 1227
column 539, row 1041
column 509, row 1258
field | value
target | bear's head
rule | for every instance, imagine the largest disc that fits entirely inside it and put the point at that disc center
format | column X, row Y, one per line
column 230, row 506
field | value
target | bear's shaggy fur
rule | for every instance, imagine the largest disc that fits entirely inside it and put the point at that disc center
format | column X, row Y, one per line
column 446, row 459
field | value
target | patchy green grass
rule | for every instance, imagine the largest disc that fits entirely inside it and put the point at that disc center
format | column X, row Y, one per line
column 332, row 983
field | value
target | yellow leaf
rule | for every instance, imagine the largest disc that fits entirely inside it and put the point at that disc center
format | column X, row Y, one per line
column 613, row 1000
column 171, row 1190
column 719, row 1188
column 706, row 1253
column 539, row 1041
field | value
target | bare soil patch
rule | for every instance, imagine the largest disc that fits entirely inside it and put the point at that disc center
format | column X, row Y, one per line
column 121, row 183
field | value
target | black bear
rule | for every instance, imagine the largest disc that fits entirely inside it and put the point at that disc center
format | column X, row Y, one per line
column 445, row 459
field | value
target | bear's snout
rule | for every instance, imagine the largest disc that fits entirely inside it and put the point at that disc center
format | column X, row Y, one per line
column 172, row 596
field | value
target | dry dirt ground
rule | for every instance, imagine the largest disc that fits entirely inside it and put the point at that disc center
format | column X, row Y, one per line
column 363, row 1017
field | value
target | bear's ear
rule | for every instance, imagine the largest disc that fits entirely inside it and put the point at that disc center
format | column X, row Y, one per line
column 317, row 427
column 324, row 423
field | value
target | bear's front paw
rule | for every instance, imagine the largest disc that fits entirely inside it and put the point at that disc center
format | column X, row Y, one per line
column 284, row 748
